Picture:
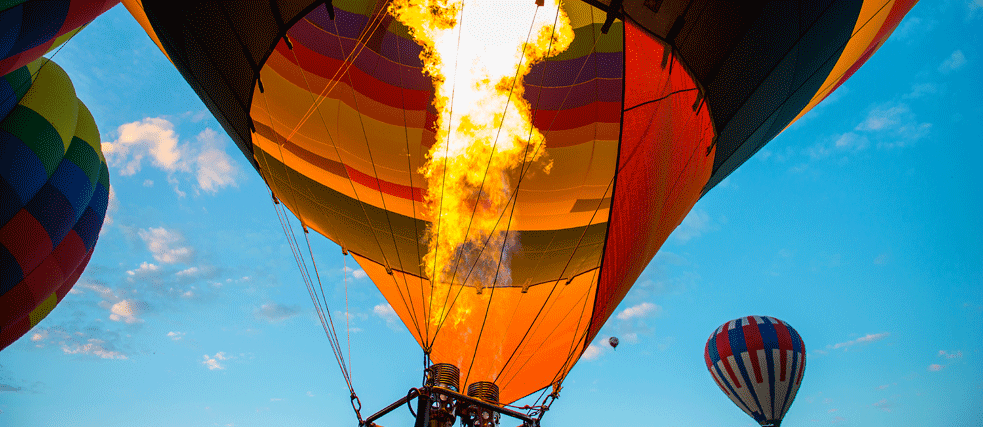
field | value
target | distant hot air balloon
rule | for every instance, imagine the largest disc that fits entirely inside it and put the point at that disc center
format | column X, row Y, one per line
column 54, row 190
column 613, row 341
column 650, row 105
column 758, row 362
column 30, row 28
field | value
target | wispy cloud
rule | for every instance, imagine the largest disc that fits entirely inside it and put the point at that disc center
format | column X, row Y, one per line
column 215, row 362
column 642, row 310
column 386, row 312
column 884, row 405
column 155, row 139
column 86, row 341
column 935, row 367
column 127, row 311
column 954, row 62
column 274, row 312
column 166, row 245
column 215, row 168
column 866, row 339
column 176, row 336
column 594, row 351
column 696, row 223
column 355, row 273
column 957, row 355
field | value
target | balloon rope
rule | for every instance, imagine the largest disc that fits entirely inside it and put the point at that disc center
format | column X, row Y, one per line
column 34, row 76
column 301, row 263
column 370, row 28
column 342, row 161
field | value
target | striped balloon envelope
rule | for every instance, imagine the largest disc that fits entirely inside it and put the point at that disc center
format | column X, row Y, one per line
column 31, row 28
column 54, row 191
column 650, row 106
column 758, row 362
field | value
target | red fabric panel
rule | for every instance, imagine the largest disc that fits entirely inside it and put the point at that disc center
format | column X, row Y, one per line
column 43, row 280
column 898, row 11
column 752, row 338
column 11, row 332
column 664, row 161
column 26, row 239
column 83, row 12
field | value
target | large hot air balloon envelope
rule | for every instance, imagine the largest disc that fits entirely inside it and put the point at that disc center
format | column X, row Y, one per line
column 30, row 28
column 758, row 362
column 54, row 190
column 649, row 107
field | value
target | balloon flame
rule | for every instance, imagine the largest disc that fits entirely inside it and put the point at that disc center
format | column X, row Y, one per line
column 477, row 54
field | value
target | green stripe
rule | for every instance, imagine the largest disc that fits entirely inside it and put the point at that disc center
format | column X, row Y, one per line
column 7, row 4
column 583, row 41
column 104, row 175
column 19, row 80
column 82, row 154
column 37, row 133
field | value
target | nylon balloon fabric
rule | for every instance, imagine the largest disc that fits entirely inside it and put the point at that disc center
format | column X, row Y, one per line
column 54, row 191
column 31, row 28
column 649, row 106
column 758, row 362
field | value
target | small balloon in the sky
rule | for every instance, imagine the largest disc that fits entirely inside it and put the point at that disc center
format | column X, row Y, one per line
column 758, row 362
column 614, row 342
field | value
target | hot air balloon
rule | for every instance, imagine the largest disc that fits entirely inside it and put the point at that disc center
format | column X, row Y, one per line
column 758, row 362
column 54, row 190
column 31, row 28
column 505, row 266
column 613, row 341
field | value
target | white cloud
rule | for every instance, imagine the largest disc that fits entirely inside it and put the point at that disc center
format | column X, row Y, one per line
column 893, row 125
column 95, row 347
column 276, row 399
column 884, row 405
column 357, row 274
column 644, row 309
column 953, row 62
column 922, row 89
column 975, row 6
column 310, row 394
column 594, row 351
column 935, row 367
column 155, row 138
column 126, row 311
column 166, row 245
column 694, row 225
column 215, row 168
column 957, row 355
column 111, row 208
column 883, row 118
column 146, row 270
column 214, row 362
column 862, row 340
column 176, row 336
column 152, row 136
column 273, row 312
column 386, row 312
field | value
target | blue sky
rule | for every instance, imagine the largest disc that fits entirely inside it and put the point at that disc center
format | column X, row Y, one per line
column 861, row 226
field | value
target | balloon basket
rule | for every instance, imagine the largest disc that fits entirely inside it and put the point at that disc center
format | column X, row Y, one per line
column 440, row 404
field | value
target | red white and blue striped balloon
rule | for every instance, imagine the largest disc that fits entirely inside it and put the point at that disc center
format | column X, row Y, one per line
column 758, row 362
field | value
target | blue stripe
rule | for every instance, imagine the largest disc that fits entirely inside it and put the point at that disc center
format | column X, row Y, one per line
column 53, row 211
column 73, row 183
column 725, row 380
column 23, row 171
column 10, row 20
column 739, row 361
column 40, row 23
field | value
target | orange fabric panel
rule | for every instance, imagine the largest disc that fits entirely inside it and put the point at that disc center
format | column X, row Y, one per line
column 556, row 314
column 665, row 160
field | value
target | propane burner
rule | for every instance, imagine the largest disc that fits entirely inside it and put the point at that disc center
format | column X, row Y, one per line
column 443, row 408
column 478, row 416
